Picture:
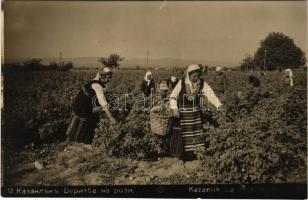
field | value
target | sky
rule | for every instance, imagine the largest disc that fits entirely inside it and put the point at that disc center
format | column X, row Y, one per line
column 204, row 30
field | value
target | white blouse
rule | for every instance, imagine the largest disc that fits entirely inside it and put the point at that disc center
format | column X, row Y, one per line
column 207, row 91
column 99, row 91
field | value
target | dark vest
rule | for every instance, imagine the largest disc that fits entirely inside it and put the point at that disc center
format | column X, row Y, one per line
column 172, row 84
column 184, row 102
column 85, row 100
column 147, row 89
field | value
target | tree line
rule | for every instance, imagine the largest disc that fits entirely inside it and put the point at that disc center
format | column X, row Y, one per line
column 35, row 64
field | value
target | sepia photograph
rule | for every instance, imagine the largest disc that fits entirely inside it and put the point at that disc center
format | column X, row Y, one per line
column 154, row 99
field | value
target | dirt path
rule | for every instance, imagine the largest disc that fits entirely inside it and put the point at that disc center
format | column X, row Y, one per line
column 80, row 164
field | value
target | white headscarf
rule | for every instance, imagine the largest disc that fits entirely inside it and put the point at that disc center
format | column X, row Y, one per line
column 173, row 79
column 105, row 70
column 289, row 72
column 146, row 77
column 191, row 68
column 218, row 69
column 192, row 86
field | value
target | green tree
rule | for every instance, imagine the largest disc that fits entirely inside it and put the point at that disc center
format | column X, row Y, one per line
column 112, row 61
column 279, row 50
column 248, row 63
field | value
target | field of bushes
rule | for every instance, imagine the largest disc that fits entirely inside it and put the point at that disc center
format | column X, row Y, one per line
column 260, row 139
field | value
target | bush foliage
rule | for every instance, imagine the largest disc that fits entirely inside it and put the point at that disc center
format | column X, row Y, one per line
column 262, row 137
column 35, row 64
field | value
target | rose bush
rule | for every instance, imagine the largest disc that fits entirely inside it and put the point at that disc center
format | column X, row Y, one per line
column 262, row 137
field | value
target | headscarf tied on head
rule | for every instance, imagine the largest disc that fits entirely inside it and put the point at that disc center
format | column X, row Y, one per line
column 173, row 79
column 218, row 69
column 105, row 70
column 191, row 68
column 290, row 74
column 191, row 88
column 146, row 77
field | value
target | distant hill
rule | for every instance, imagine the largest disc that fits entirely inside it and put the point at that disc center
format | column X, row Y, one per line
column 163, row 62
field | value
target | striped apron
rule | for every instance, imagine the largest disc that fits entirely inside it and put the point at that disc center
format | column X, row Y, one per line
column 191, row 127
column 81, row 129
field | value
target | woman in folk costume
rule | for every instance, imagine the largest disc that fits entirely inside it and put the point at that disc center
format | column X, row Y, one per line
column 161, row 98
column 148, row 84
column 186, row 103
column 89, row 100
column 220, row 81
column 288, row 77
column 172, row 81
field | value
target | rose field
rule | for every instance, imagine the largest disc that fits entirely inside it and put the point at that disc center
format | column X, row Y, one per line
column 261, row 138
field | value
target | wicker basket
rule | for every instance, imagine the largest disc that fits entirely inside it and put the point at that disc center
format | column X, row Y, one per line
column 159, row 124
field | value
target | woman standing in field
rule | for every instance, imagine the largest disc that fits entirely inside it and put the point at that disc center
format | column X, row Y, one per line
column 186, row 103
column 172, row 81
column 85, row 116
column 288, row 77
column 161, row 98
column 148, row 84
column 220, row 81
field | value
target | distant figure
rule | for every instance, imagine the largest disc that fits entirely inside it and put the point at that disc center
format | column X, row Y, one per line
column 171, row 82
column 220, row 81
column 148, row 84
column 163, row 90
column 288, row 77
column 254, row 81
column 251, row 88
column 162, row 93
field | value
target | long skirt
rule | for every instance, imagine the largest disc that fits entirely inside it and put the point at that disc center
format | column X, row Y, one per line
column 187, row 134
column 81, row 129
column 176, row 146
column 191, row 127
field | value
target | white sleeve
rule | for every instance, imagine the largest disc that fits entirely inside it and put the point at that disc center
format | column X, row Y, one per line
column 100, row 94
column 209, row 93
column 175, row 94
